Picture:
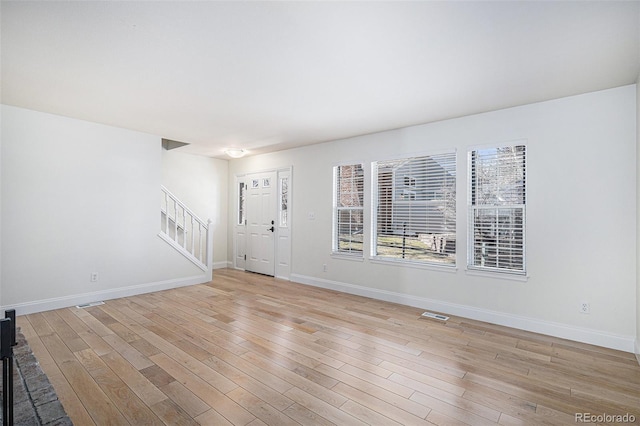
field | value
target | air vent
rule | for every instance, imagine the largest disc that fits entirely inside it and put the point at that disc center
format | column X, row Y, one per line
column 434, row 316
column 88, row 305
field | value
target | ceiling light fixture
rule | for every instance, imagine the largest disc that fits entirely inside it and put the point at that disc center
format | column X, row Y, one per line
column 235, row 152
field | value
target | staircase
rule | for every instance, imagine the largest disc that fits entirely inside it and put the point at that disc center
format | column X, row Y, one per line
column 185, row 231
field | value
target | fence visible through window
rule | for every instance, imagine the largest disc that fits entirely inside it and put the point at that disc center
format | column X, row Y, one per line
column 416, row 209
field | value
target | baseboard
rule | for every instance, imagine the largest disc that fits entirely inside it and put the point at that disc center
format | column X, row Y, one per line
column 222, row 265
column 637, row 351
column 565, row 331
column 77, row 299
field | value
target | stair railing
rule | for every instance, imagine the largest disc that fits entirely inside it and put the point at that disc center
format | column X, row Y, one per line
column 185, row 231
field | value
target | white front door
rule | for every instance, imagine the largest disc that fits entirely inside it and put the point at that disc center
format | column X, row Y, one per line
column 262, row 209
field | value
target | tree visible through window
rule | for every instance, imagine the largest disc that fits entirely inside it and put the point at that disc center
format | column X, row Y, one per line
column 348, row 209
column 416, row 209
column 497, row 209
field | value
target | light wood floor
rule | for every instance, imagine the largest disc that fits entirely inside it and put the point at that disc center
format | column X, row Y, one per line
column 251, row 350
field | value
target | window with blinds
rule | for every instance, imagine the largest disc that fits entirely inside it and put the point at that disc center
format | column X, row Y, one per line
column 497, row 198
column 416, row 209
column 348, row 209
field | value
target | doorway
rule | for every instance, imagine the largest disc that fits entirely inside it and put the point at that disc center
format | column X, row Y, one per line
column 262, row 232
column 261, row 223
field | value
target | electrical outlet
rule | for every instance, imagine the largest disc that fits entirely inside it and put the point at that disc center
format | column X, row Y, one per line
column 324, row 267
column 94, row 277
column 585, row 308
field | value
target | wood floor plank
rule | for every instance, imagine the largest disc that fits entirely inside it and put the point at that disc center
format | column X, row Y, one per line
column 58, row 350
column 304, row 416
column 247, row 349
column 96, row 343
column 259, row 408
column 172, row 414
column 99, row 406
column 72, row 404
column 39, row 324
column 293, row 379
column 203, row 390
column 137, row 382
column 212, row 417
column 73, row 341
column 394, row 411
column 66, row 394
column 265, row 391
column 73, row 321
column 394, row 386
column 475, row 415
column 130, row 353
column 92, row 322
column 198, row 368
column 132, row 407
column 321, row 408
column 182, row 396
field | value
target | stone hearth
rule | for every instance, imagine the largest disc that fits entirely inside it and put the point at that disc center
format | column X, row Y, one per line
column 35, row 400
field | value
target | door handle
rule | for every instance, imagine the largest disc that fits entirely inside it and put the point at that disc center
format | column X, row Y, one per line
column 271, row 229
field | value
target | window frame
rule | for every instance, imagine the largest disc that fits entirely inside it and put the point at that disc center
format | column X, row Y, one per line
column 283, row 201
column 473, row 208
column 241, row 217
column 335, row 240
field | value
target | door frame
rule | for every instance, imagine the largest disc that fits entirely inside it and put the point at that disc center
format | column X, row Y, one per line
column 282, row 237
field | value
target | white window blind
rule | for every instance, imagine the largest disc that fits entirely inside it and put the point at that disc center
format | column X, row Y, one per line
column 416, row 209
column 348, row 209
column 497, row 216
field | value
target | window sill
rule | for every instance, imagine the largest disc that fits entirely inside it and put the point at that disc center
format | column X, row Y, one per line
column 351, row 257
column 417, row 265
column 510, row 276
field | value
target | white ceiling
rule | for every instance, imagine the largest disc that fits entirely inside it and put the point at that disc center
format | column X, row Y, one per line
column 272, row 75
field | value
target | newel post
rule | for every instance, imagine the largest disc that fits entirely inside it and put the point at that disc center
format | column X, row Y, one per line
column 210, row 248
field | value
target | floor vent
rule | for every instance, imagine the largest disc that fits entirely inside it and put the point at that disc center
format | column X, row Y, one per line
column 434, row 316
column 88, row 305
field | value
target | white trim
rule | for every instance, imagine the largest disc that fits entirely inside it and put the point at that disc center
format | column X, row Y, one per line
column 419, row 153
column 222, row 265
column 497, row 274
column 346, row 256
column 503, row 144
column 414, row 264
column 282, row 277
column 564, row 331
column 637, row 345
column 79, row 299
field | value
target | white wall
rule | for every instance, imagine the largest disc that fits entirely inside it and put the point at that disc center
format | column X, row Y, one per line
column 201, row 183
column 581, row 218
column 77, row 198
